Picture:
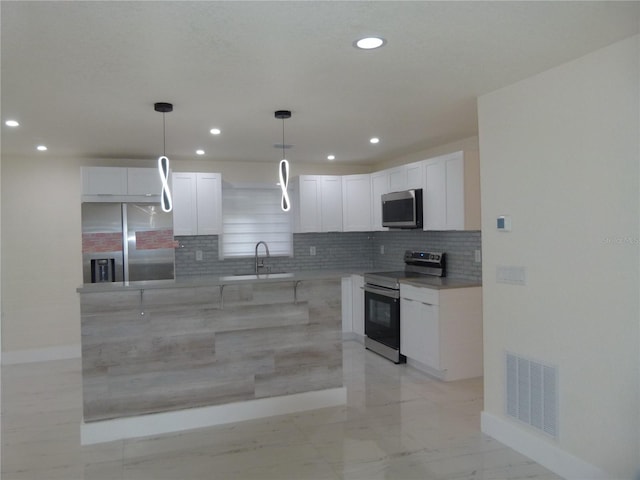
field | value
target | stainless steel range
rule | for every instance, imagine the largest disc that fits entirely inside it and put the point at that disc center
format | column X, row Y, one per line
column 382, row 314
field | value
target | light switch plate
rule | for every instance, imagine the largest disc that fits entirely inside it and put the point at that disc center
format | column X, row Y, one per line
column 198, row 255
column 503, row 223
column 312, row 251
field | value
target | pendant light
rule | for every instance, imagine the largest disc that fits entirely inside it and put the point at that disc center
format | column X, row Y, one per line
column 283, row 168
column 163, row 160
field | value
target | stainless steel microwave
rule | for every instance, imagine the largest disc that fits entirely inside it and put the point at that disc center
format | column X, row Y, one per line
column 402, row 209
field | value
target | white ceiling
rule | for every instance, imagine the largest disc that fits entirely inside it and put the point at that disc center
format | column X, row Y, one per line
column 82, row 77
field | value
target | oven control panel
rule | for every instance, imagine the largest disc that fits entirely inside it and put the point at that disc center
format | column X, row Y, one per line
column 430, row 257
column 430, row 263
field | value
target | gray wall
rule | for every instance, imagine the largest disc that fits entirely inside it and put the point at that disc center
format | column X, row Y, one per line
column 339, row 251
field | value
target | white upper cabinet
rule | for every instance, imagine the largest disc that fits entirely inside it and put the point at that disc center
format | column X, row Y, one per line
column 185, row 212
column 356, row 203
column 397, row 178
column 379, row 186
column 415, row 176
column 331, row 195
column 104, row 181
column 309, row 207
column 444, row 192
column 406, row 177
column 197, row 203
column 319, row 203
column 434, row 195
column 209, row 203
column 120, row 184
column 143, row 181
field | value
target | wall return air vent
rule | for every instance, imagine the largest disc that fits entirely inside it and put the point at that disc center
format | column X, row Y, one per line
column 532, row 393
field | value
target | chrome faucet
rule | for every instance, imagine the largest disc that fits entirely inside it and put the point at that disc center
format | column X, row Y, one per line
column 261, row 264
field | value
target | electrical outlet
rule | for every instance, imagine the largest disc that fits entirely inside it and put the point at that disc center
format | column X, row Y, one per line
column 312, row 251
column 381, row 249
column 198, row 255
column 478, row 256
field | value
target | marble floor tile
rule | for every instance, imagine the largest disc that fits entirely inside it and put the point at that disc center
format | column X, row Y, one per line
column 398, row 424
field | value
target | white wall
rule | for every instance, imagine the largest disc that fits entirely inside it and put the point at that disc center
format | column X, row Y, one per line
column 41, row 252
column 467, row 145
column 560, row 154
column 41, row 243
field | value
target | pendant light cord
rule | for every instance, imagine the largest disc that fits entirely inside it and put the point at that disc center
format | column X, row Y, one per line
column 283, row 138
column 164, row 137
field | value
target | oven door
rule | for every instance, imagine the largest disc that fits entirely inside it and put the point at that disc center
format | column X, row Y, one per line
column 382, row 315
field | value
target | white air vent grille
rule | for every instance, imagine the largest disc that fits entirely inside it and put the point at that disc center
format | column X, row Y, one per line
column 532, row 393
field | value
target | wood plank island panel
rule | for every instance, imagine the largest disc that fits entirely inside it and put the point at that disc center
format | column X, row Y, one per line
column 179, row 348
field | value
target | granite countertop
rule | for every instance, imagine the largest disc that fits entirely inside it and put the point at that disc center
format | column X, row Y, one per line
column 440, row 283
column 214, row 281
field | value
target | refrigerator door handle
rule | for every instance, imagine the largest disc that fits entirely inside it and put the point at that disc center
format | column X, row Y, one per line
column 125, row 242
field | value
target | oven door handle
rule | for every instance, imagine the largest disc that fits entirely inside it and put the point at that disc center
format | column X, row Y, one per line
column 385, row 292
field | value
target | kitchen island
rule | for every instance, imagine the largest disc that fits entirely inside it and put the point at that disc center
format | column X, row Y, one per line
column 150, row 347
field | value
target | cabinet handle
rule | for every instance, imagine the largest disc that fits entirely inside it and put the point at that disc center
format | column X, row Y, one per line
column 412, row 300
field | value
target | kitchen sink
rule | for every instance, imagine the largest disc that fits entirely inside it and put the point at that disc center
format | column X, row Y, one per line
column 261, row 276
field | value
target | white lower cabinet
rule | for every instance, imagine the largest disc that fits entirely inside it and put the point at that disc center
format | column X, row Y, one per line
column 347, row 307
column 357, row 286
column 419, row 339
column 441, row 330
column 353, row 308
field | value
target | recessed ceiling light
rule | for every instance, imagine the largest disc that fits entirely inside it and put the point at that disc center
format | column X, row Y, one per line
column 215, row 131
column 199, row 152
column 41, row 148
column 11, row 123
column 331, row 157
column 369, row 43
column 375, row 140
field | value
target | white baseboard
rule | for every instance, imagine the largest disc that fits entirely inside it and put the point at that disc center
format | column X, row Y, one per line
column 45, row 354
column 168, row 422
column 439, row 374
column 353, row 336
column 546, row 454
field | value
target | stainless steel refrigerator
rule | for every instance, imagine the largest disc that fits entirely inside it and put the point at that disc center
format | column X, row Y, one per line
column 126, row 242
